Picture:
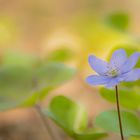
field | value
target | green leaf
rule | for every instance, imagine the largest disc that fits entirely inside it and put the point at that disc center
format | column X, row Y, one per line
column 49, row 76
column 36, row 97
column 53, row 74
column 89, row 136
column 134, row 138
column 126, row 95
column 16, row 83
column 96, row 35
column 18, row 58
column 60, row 55
column 118, row 20
column 108, row 120
column 72, row 118
column 15, row 86
column 67, row 114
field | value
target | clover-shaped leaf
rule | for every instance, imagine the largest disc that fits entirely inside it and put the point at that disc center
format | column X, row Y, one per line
column 69, row 115
column 72, row 117
column 126, row 95
column 17, row 83
column 48, row 77
column 108, row 120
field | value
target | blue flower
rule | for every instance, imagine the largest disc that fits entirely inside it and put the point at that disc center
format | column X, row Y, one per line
column 120, row 68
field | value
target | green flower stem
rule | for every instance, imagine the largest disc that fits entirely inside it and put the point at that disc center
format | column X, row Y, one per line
column 119, row 114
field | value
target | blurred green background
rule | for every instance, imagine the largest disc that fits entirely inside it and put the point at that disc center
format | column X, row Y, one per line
column 52, row 39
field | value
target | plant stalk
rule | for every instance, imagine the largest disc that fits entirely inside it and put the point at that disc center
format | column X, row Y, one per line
column 45, row 122
column 41, row 115
column 119, row 113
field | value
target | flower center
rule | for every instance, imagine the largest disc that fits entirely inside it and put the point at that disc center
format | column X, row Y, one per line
column 113, row 72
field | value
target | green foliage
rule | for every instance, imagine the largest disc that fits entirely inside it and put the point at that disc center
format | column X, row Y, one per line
column 18, row 58
column 126, row 95
column 15, row 86
column 109, row 121
column 20, row 85
column 134, row 138
column 48, row 77
column 53, row 74
column 60, row 55
column 89, row 136
column 97, row 35
column 118, row 20
column 69, row 115
column 72, row 118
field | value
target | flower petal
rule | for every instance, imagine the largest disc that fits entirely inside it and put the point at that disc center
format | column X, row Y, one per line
column 133, row 75
column 113, row 82
column 118, row 58
column 100, row 66
column 130, row 62
column 97, row 80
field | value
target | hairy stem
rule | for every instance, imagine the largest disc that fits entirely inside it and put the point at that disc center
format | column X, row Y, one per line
column 39, row 111
column 119, row 114
column 45, row 122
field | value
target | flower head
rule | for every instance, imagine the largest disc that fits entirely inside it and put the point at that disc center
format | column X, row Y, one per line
column 120, row 68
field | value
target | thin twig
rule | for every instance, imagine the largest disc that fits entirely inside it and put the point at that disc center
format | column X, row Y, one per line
column 119, row 114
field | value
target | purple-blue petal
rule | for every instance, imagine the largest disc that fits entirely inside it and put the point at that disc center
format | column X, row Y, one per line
column 118, row 58
column 113, row 82
column 97, row 80
column 100, row 66
column 130, row 62
column 132, row 75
